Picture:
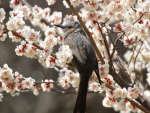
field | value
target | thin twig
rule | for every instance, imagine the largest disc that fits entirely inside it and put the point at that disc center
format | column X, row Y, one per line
column 137, row 77
column 105, row 42
column 139, row 18
column 39, row 82
column 115, row 44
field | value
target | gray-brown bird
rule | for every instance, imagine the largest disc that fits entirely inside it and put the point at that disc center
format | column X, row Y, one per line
column 84, row 58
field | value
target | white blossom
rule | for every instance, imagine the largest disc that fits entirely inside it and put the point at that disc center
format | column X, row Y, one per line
column 56, row 17
column 2, row 14
column 47, row 85
column 106, row 102
column 50, row 61
column 64, row 56
column 28, row 83
column 15, row 3
column 1, row 96
column 49, row 42
column 51, row 2
column 94, row 87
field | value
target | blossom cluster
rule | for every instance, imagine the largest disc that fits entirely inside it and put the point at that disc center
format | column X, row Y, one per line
column 32, row 38
column 14, row 83
column 68, row 78
column 117, row 99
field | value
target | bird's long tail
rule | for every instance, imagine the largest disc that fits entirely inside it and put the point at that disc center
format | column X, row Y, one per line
column 96, row 70
column 80, row 105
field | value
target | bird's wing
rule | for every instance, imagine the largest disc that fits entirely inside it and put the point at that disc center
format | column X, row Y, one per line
column 78, row 45
column 81, row 54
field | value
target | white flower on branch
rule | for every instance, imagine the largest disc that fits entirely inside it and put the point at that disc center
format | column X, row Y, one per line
column 68, row 77
column 120, row 93
column 47, row 85
column 14, row 83
column 26, row 10
column 1, row 96
column 104, row 69
column 110, row 99
column 129, row 106
column 1, row 29
column 73, row 78
column 9, row 82
column 94, row 87
column 118, row 15
column 42, row 55
column 129, row 40
column 139, row 12
column 35, row 91
column 50, row 61
column 50, row 31
column 109, row 80
column 13, row 37
column 75, row 2
column 2, row 14
column 31, row 35
column 38, row 12
column 21, row 49
column 146, row 94
column 102, row 87
column 51, row 2
column 16, row 13
column 91, row 5
column 128, row 3
column 64, row 56
column 30, row 51
column 107, row 102
column 65, row 4
column 49, row 42
column 15, row 3
column 64, row 82
column 28, row 83
column 60, row 40
column 109, row 93
column 119, row 27
column 133, row 93
column 84, row 14
column 6, row 74
column 3, row 36
column 69, row 18
column 47, row 11
column 15, row 23
column 56, row 18
column 10, row 87
column 120, row 106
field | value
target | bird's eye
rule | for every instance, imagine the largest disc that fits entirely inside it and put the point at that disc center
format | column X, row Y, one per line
column 69, row 26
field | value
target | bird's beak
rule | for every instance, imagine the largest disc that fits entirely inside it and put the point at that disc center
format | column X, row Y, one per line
column 60, row 26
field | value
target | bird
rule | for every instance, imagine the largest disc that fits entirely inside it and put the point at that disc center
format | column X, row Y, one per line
column 84, row 58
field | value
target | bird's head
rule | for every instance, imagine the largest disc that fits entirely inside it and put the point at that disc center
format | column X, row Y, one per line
column 70, row 27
